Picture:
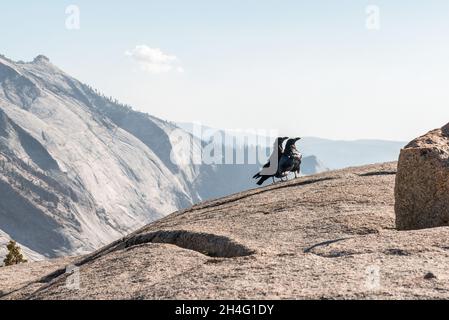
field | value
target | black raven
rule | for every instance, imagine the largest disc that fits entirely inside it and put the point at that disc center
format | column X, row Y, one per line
column 270, row 169
column 291, row 159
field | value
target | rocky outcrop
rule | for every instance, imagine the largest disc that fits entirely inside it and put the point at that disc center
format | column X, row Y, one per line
column 329, row 236
column 422, row 182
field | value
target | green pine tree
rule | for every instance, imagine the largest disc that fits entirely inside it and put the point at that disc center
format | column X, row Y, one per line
column 14, row 255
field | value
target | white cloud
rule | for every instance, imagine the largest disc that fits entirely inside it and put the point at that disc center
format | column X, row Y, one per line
column 153, row 60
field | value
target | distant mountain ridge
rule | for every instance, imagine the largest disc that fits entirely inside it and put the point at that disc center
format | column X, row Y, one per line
column 332, row 154
column 79, row 169
column 339, row 154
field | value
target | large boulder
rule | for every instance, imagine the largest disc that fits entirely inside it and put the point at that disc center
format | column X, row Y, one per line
column 422, row 182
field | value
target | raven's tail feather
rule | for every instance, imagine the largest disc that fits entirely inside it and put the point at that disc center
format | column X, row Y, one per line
column 257, row 176
column 262, row 180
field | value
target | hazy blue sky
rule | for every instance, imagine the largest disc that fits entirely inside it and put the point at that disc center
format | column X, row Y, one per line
column 309, row 67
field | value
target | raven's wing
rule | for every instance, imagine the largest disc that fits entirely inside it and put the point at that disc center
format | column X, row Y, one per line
column 297, row 160
column 270, row 170
column 285, row 164
column 259, row 174
column 267, row 164
column 271, row 167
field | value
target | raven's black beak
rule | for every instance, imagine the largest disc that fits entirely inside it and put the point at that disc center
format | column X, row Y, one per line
column 297, row 139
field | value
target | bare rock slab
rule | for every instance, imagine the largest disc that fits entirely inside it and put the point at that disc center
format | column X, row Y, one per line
column 422, row 182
